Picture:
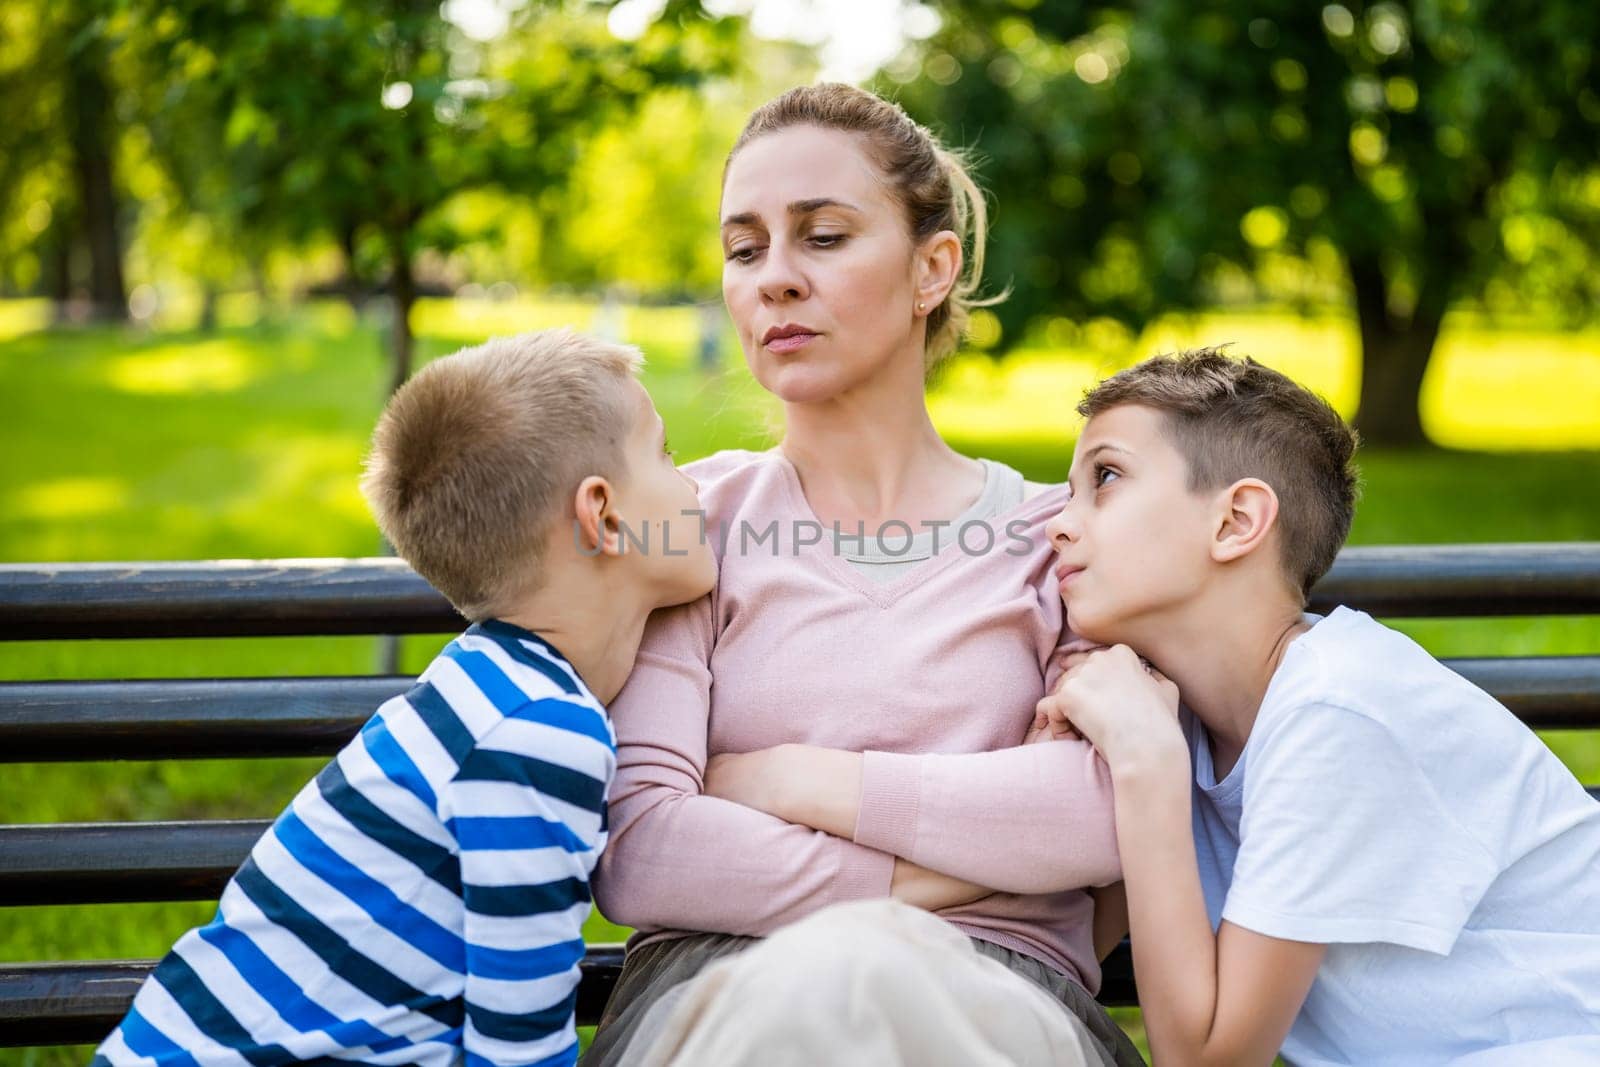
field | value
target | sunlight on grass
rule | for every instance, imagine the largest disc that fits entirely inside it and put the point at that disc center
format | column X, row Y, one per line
column 473, row 320
column 316, row 472
column 1031, row 395
column 1492, row 390
column 668, row 334
column 1504, row 391
column 70, row 498
column 675, row 332
column 215, row 366
column 18, row 317
column 1321, row 352
column 334, row 318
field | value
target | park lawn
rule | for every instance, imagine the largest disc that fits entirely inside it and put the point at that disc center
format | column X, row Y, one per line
column 246, row 443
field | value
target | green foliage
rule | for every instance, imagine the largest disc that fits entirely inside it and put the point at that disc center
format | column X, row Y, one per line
column 412, row 144
column 33, row 43
column 58, row 149
column 417, row 109
column 1164, row 155
column 1139, row 150
column 641, row 207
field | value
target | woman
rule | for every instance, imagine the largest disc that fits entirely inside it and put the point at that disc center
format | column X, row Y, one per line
column 885, row 610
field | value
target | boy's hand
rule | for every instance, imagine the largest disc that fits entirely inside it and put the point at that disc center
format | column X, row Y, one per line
column 1039, row 731
column 1044, row 728
column 1116, row 702
column 1074, row 657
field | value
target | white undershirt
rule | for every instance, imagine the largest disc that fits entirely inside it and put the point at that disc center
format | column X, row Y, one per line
column 885, row 558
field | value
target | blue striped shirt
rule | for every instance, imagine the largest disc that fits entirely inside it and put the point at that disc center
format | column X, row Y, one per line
column 422, row 900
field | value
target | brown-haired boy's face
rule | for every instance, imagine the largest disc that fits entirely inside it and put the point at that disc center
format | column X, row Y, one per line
column 1133, row 540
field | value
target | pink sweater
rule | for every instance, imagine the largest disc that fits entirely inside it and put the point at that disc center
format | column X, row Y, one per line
column 933, row 675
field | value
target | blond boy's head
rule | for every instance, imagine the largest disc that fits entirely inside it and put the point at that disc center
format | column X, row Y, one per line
column 474, row 460
column 1234, row 419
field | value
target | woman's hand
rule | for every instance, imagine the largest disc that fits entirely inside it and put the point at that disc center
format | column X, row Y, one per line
column 821, row 788
column 748, row 778
column 802, row 784
column 930, row 890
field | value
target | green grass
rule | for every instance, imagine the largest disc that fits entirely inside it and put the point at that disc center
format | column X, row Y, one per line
column 246, row 444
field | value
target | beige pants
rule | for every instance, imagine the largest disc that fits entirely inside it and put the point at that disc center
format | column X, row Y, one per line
column 869, row 983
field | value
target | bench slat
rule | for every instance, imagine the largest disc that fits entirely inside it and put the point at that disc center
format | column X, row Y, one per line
column 104, row 863
column 79, row 1003
column 1546, row 692
column 219, row 599
column 186, row 718
column 1423, row 581
column 122, row 862
column 249, row 717
column 383, row 595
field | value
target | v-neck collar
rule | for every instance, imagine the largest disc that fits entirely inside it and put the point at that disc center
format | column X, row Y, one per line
column 881, row 594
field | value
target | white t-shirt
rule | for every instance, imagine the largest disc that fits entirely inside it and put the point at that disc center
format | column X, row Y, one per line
column 1388, row 808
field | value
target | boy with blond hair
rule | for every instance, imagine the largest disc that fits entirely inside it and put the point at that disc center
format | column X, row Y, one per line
column 422, row 900
column 1339, row 847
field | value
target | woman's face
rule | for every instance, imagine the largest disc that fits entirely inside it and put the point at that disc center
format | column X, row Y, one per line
column 819, row 275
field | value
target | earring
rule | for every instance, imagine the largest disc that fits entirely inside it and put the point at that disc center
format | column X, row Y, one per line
column 922, row 305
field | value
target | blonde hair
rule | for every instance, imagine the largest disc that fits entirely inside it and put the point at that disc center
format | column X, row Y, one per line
column 930, row 182
column 1234, row 418
column 475, row 458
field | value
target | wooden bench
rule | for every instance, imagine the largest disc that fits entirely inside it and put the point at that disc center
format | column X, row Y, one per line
column 71, row 1002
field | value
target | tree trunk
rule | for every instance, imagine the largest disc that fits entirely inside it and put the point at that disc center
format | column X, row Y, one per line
column 1394, row 357
column 90, row 129
column 208, row 308
column 403, row 294
column 354, row 285
column 56, row 258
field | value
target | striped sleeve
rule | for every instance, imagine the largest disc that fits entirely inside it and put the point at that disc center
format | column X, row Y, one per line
column 527, row 809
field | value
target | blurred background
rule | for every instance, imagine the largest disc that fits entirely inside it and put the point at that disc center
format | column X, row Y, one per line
column 228, row 229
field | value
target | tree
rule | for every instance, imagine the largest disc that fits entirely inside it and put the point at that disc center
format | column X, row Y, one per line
column 641, row 208
column 58, row 145
column 371, row 119
column 1144, row 151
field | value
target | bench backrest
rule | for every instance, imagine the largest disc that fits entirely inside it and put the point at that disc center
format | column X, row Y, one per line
column 54, row 1002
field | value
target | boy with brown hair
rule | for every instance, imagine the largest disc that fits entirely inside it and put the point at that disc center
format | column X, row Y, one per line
column 1339, row 847
column 422, row 900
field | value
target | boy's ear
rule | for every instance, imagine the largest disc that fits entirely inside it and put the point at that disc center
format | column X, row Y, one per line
column 1247, row 514
column 598, row 526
